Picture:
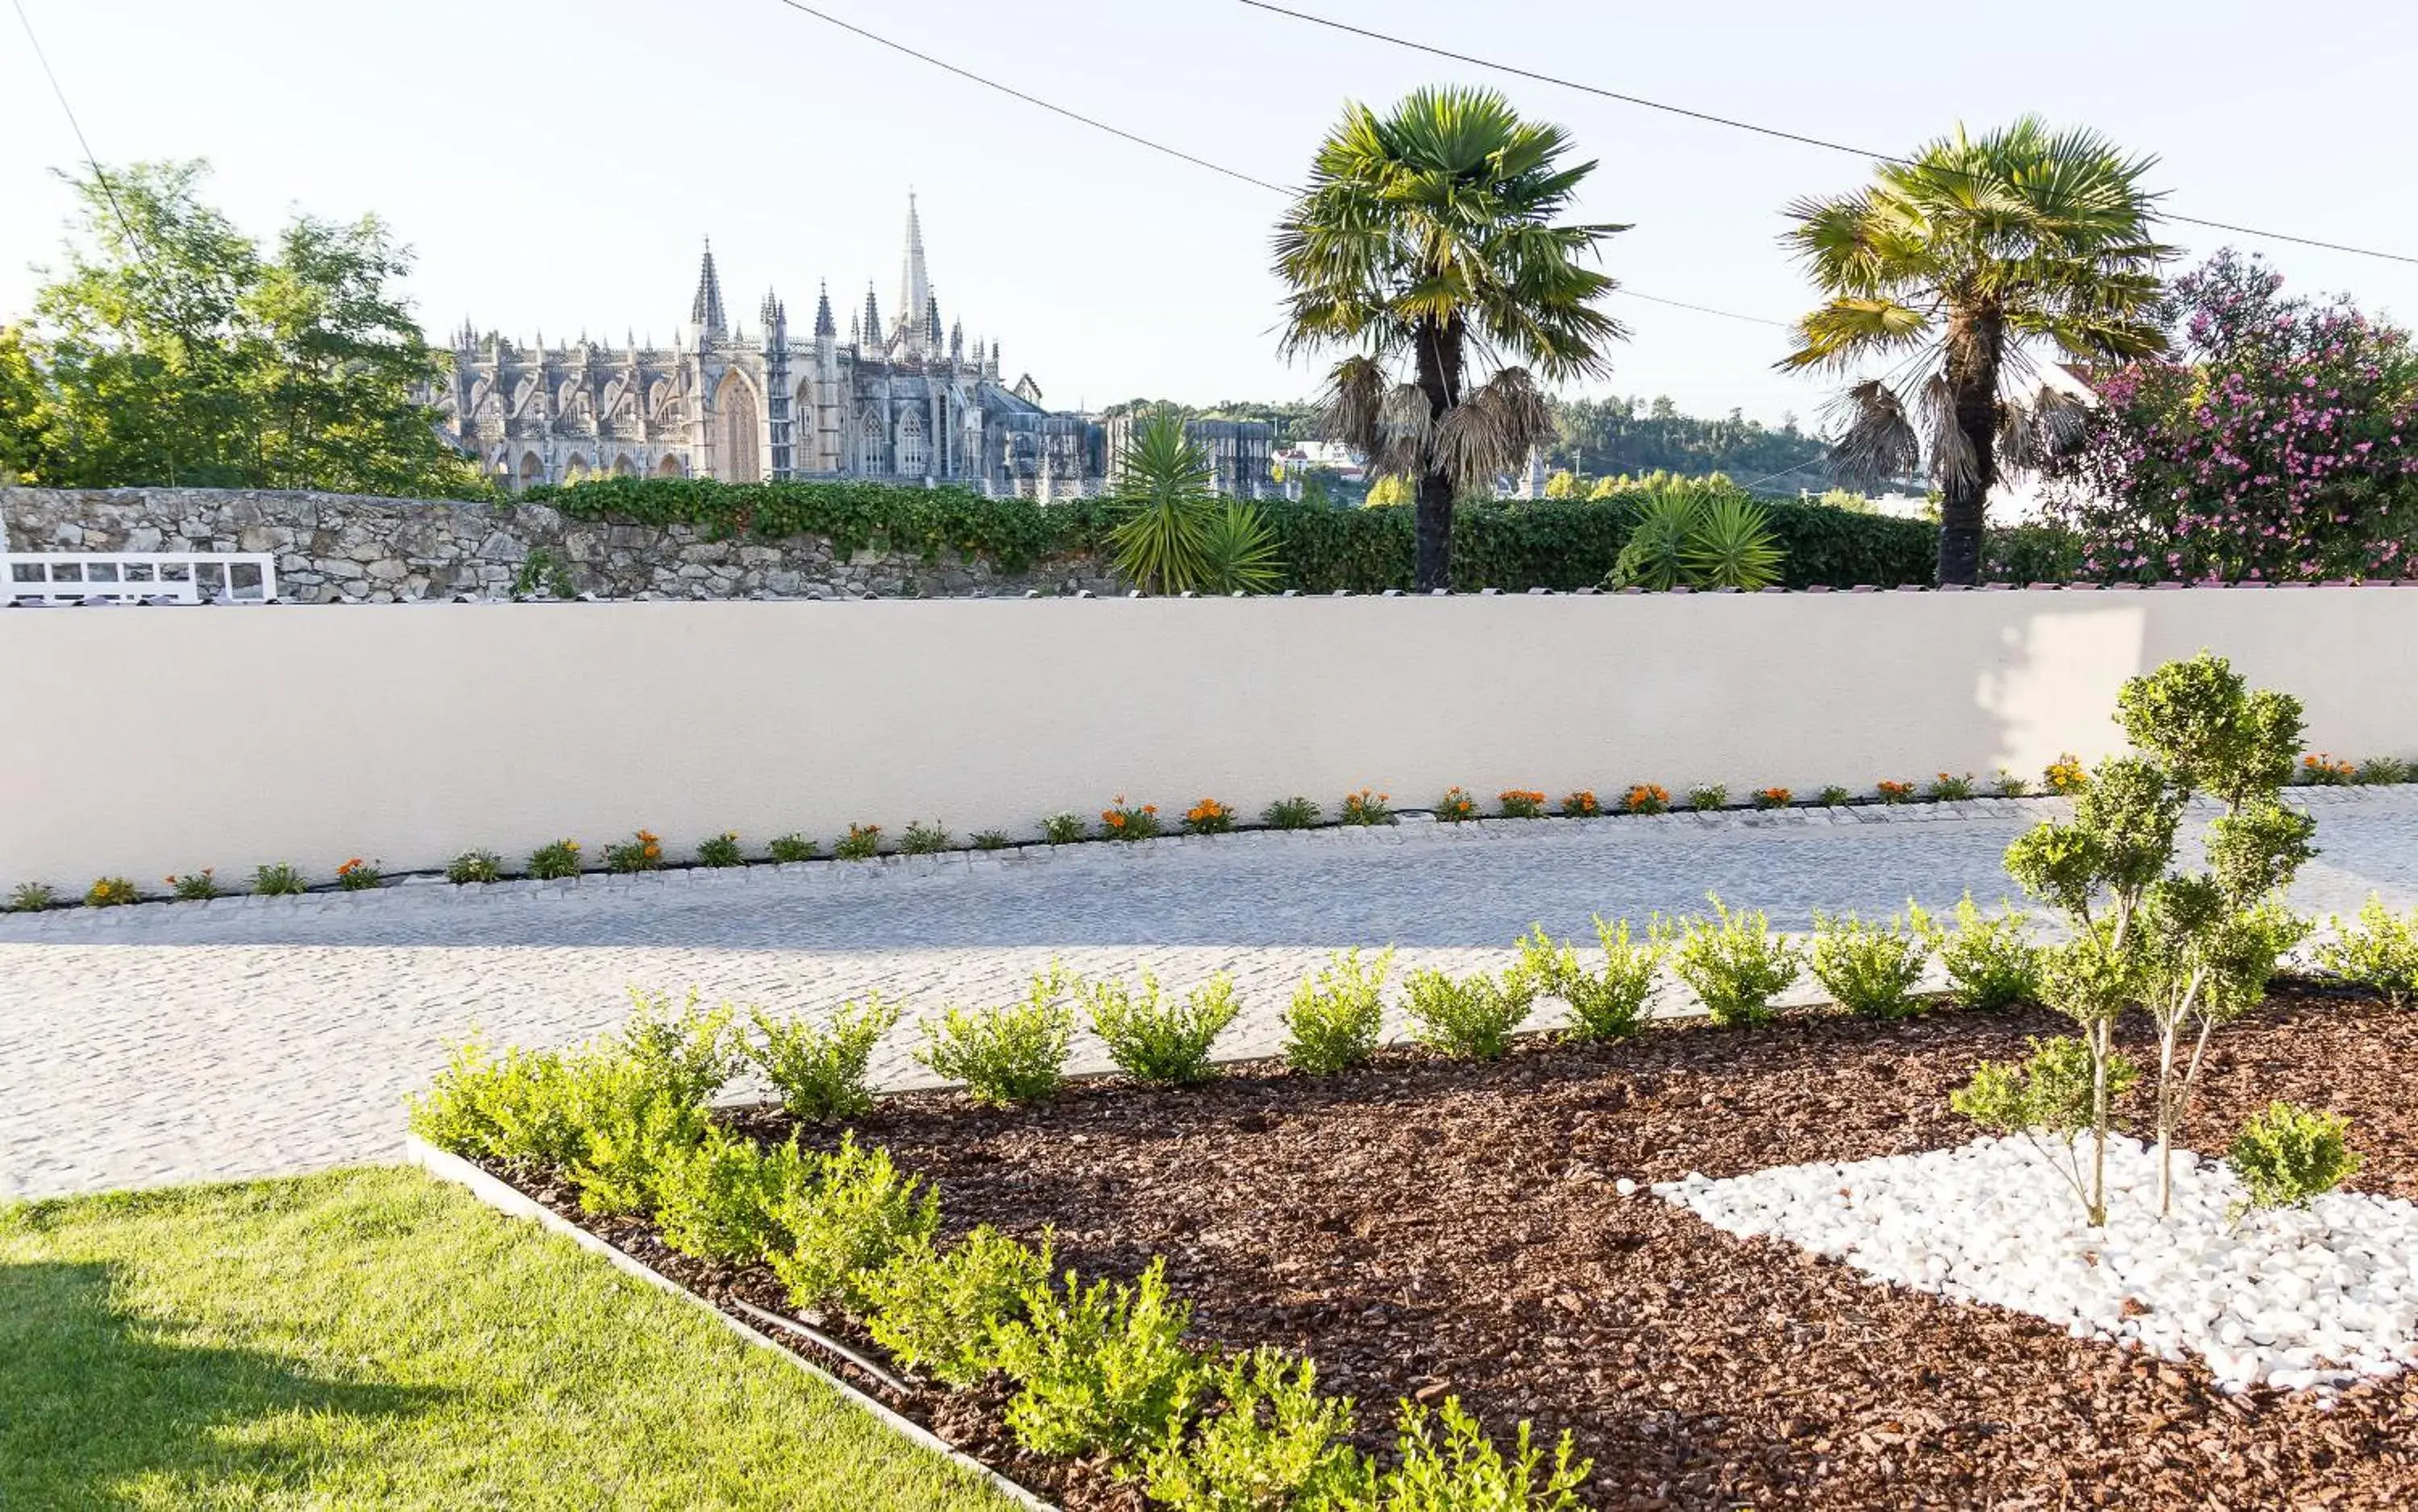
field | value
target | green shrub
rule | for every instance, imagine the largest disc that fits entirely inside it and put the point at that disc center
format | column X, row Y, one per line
column 921, row 839
column 1871, row 968
column 1011, row 1054
column 862, row 842
column 475, row 866
column 515, row 1109
column 991, row 840
column 1705, row 797
column 720, row 850
column 843, row 1227
column 1335, row 1018
column 1947, row 788
column 1735, row 962
column 1605, row 1004
column 1277, row 1444
column 1464, row 1471
column 716, row 1200
column 195, row 887
column 556, row 861
column 1472, row 1018
column 2006, row 784
column 278, row 879
column 2287, row 1155
column 1290, row 814
column 32, row 898
column 1991, row 963
column 1102, row 1368
column 1064, row 828
column 2386, row 769
column 937, row 1310
column 820, row 1071
column 1835, row 796
column 631, row 1126
column 2380, row 952
column 1154, row 1040
column 789, row 850
column 2045, row 1097
column 642, row 852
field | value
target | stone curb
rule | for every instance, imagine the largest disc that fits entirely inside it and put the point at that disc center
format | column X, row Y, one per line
column 504, row 1200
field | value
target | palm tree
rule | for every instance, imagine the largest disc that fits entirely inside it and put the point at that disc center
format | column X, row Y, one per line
column 1428, row 238
column 1956, row 264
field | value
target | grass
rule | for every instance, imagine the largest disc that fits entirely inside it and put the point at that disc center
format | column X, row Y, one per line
column 374, row 1337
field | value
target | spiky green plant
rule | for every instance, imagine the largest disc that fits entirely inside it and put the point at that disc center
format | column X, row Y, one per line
column 1165, row 505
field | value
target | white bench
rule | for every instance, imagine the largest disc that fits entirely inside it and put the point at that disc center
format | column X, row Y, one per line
column 131, row 577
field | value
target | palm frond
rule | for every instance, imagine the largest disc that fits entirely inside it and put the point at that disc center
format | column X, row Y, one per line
column 1355, row 392
column 1876, row 441
column 1953, row 463
column 1494, row 430
column 1405, row 421
column 2037, row 432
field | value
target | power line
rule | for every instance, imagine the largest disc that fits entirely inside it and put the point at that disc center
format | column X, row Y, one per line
column 1179, row 153
column 73, row 124
column 1737, row 124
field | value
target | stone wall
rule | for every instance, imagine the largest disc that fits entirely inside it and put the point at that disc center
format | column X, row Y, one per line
column 338, row 548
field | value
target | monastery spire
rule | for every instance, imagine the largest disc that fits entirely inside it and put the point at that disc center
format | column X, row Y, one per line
column 823, row 323
column 914, row 285
column 872, row 319
column 704, row 312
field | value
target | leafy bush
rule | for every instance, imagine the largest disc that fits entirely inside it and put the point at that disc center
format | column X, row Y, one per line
column 1945, row 788
column 720, row 850
column 1295, row 813
column 2287, row 1155
column 937, row 1310
column 1157, row 1041
column 1277, row 1444
column 482, row 1108
column 1336, row 1017
column 1063, row 829
column 1102, row 1368
column 639, row 1102
column 1835, row 796
column 1521, row 804
column 1991, row 963
column 1871, row 968
column 820, row 1070
column 2006, row 784
column 1647, row 798
column 2380, row 952
column 278, row 879
column 1121, row 821
column 716, row 1200
column 553, row 863
column 792, row 848
column 1208, row 816
column 475, row 866
column 1464, row 1470
column 1456, row 807
column 1473, row 1017
column 2047, row 1096
column 2386, row 771
column 358, row 876
column 1735, row 962
column 642, row 852
column 921, row 839
column 1366, row 807
column 842, row 1228
column 1606, row 1004
column 862, row 842
column 991, row 840
column 32, row 898
column 1011, row 1054
column 1707, row 796
column 195, row 887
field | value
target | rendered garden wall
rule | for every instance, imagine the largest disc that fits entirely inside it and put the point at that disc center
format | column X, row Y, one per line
column 146, row 740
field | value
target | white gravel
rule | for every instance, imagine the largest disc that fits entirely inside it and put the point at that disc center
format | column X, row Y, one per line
column 2292, row 1299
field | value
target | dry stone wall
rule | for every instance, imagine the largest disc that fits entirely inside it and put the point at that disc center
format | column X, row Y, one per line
column 340, row 548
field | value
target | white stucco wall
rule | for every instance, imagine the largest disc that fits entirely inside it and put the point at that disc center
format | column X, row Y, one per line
column 140, row 742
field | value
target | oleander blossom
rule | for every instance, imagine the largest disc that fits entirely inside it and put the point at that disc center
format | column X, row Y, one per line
column 2272, row 453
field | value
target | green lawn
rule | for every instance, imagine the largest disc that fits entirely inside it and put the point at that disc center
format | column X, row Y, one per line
column 377, row 1339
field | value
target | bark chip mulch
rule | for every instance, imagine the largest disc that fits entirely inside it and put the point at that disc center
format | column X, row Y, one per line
column 1424, row 1227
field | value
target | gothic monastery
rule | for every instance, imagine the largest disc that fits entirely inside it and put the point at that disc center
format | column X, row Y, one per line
column 898, row 400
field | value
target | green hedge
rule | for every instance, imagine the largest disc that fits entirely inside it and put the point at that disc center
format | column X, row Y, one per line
column 1514, row 546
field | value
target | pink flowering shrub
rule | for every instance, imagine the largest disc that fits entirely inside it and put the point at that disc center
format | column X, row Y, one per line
column 2282, row 447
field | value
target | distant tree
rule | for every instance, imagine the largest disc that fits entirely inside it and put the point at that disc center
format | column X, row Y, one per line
column 1423, row 233
column 1391, row 490
column 170, row 350
column 1563, row 484
column 2283, row 446
column 1628, row 436
column 1949, row 266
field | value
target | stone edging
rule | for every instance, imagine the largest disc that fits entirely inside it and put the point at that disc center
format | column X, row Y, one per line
column 1410, row 828
column 503, row 1199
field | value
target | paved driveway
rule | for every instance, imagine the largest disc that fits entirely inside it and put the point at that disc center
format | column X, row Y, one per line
column 180, row 1042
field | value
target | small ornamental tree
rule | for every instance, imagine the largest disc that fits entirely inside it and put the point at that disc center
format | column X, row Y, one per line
column 2283, row 447
column 2193, row 950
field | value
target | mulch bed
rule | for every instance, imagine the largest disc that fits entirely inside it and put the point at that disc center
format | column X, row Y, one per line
column 1424, row 1227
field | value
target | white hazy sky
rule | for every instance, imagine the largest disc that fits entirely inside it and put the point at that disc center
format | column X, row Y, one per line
column 555, row 163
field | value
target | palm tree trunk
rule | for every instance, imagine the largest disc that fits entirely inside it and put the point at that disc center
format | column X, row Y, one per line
column 1974, row 346
column 1439, row 349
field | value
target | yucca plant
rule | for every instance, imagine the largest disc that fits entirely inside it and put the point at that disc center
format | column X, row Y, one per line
column 1428, row 236
column 1239, row 551
column 1164, row 506
column 1698, row 533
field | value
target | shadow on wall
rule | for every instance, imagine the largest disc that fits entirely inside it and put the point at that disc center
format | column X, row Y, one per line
column 2054, row 689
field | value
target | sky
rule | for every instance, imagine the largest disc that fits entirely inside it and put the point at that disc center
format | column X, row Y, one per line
column 556, row 165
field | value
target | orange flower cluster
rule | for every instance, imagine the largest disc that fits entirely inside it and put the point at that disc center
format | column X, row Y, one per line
column 1208, row 816
column 1521, row 802
column 343, row 871
column 1456, row 806
column 1581, row 804
column 1647, row 798
column 1894, row 792
column 1125, row 823
column 649, row 844
column 1365, row 808
column 2323, row 768
column 2065, row 775
column 1773, row 798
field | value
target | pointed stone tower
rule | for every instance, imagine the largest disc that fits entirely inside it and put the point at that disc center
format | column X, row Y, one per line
column 706, row 320
column 872, row 324
column 914, row 285
column 778, row 435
